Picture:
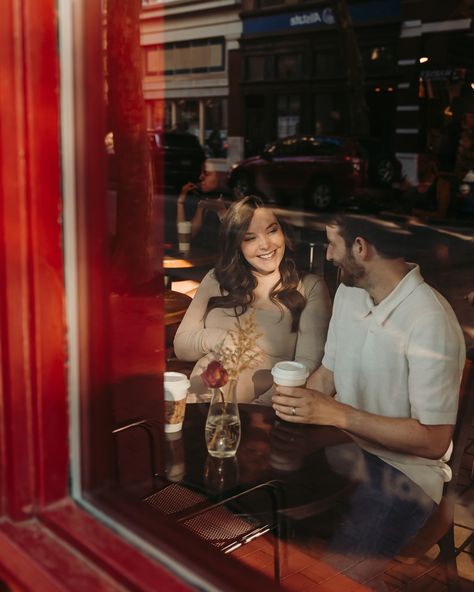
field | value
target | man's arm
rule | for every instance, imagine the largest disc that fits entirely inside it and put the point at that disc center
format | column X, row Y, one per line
column 322, row 380
column 405, row 435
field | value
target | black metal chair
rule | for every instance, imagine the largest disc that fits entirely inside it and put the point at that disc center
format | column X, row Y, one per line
column 226, row 524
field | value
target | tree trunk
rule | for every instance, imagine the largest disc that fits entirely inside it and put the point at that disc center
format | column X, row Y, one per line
column 359, row 113
column 134, row 249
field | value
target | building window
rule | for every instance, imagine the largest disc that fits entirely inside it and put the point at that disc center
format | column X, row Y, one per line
column 193, row 57
column 288, row 115
column 152, row 57
column 289, row 66
column 327, row 64
column 185, row 57
column 187, row 116
column 258, row 67
column 206, row 118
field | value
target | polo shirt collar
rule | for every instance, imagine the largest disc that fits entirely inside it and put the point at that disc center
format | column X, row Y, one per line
column 401, row 291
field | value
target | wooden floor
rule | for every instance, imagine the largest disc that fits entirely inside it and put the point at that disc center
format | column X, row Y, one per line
column 302, row 571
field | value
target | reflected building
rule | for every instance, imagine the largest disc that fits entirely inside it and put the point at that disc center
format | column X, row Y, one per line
column 188, row 49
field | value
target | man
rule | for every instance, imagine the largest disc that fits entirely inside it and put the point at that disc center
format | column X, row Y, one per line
column 390, row 377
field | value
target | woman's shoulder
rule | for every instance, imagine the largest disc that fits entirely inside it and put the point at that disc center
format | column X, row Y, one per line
column 209, row 282
column 310, row 281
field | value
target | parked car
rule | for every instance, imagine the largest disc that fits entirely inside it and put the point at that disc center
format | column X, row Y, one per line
column 323, row 169
column 384, row 167
column 180, row 153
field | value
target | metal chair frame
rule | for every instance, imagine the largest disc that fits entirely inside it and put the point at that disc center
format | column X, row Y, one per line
column 200, row 505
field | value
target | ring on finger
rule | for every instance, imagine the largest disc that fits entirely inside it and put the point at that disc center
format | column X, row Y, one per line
column 293, row 411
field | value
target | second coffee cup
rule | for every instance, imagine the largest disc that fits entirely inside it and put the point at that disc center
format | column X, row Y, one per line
column 289, row 373
column 176, row 389
column 184, row 236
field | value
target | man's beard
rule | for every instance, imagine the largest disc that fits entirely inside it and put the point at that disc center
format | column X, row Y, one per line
column 352, row 273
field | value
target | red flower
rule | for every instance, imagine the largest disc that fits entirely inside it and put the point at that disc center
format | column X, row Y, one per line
column 215, row 375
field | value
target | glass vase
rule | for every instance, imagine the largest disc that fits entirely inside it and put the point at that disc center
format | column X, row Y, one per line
column 223, row 423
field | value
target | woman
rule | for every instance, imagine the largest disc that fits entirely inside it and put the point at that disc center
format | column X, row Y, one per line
column 255, row 272
column 205, row 214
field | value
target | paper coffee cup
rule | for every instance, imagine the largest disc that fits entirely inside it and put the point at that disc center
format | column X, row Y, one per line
column 289, row 373
column 176, row 387
column 184, row 236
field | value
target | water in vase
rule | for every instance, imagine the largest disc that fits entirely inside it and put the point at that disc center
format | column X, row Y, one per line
column 223, row 435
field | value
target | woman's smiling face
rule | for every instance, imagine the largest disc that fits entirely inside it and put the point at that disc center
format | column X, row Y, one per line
column 263, row 245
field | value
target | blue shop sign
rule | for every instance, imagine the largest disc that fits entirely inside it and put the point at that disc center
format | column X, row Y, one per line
column 361, row 13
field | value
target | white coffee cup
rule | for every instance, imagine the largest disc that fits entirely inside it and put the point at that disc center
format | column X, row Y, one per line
column 289, row 374
column 176, row 387
column 184, row 236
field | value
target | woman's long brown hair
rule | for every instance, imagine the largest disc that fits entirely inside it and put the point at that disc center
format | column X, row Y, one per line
column 234, row 273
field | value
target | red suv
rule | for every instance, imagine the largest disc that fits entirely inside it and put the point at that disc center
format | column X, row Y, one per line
column 323, row 169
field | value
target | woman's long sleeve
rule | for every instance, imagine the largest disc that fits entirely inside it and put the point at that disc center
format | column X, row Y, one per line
column 192, row 340
column 314, row 322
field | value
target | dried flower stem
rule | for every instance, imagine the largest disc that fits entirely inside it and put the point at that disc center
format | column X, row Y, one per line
column 243, row 351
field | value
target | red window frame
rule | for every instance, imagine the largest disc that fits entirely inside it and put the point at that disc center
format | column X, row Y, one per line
column 47, row 540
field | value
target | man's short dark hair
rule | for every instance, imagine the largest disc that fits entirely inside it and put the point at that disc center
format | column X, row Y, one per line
column 387, row 239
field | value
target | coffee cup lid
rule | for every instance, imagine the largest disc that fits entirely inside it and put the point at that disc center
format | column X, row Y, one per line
column 289, row 370
column 175, row 377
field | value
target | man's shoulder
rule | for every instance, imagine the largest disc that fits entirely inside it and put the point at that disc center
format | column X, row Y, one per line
column 426, row 299
column 348, row 294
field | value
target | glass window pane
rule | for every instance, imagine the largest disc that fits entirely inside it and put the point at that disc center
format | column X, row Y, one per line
column 288, row 109
column 327, row 64
column 289, row 66
column 256, row 67
column 215, row 116
column 187, row 116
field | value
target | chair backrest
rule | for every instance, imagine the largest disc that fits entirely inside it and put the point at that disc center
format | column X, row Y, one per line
column 311, row 257
column 463, row 422
column 441, row 521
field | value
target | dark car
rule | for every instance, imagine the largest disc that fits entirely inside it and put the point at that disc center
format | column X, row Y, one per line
column 384, row 167
column 322, row 169
column 181, row 155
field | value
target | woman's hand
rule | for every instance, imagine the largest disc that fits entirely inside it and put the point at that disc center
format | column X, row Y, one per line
column 185, row 189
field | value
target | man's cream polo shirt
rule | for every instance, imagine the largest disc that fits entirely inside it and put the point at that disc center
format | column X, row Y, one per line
column 402, row 358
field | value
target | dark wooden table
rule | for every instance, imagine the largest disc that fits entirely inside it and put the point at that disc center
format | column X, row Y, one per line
column 312, row 463
column 188, row 266
column 196, row 257
column 176, row 305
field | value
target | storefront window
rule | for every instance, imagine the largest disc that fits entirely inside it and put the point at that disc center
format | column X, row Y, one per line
column 327, row 64
column 289, row 66
column 288, row 115
column 187, row 116
column 215, row 117
column 258, row 67
column 158, row 115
